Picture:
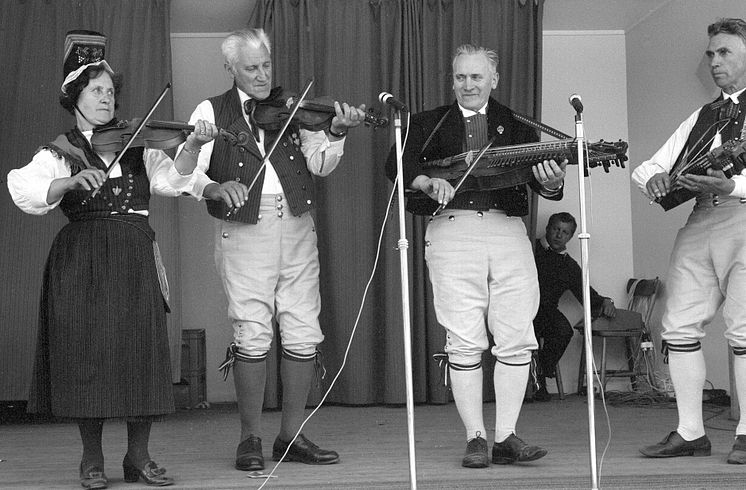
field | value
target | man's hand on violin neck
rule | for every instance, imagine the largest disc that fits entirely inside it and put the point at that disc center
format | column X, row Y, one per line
column 347, row 116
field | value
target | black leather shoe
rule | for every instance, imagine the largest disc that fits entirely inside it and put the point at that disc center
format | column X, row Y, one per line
column 93, row 477
column 674, row 445
column 249, row 454
column 542, row 395
column 303, row 451
column 514, row 449
column 151, row 474
column 476, row 454
column 738, row 454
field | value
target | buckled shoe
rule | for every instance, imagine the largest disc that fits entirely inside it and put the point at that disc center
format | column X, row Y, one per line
column 674, row 445
column 476, row 454
column 249, row 454
column 93, row 477
column 303, row 451
column 513, row 449
column 738, row 454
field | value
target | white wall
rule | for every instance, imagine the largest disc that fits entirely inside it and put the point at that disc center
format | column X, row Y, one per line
column 587, row 63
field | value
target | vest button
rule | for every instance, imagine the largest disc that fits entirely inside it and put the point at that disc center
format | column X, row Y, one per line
column 279, row 214
column 259, row 217
column 480, row 214
column 285, row 143
column 238, row 179
column 279, row 206
column 240, row 164
column 241, row 149
column 279, row 197
column 291, row 157
column 308, row 201
column 225, row 234
column 303, row 187
column 298, row 172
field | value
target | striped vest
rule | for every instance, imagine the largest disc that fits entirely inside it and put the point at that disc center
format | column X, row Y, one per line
column 241, row 163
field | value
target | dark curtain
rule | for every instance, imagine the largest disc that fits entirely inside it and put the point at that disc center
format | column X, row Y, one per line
column 32, row 33
column 354, row 50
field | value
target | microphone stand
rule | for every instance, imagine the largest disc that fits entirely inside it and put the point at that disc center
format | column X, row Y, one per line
column 403, row 246
column 583, row 236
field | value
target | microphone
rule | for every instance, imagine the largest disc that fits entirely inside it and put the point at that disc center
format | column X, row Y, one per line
column 576, row 103
column 389, row 99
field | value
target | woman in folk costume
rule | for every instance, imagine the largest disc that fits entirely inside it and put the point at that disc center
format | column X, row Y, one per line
column 102, row 349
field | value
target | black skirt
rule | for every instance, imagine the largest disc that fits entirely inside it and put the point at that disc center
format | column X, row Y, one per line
column 102, row 348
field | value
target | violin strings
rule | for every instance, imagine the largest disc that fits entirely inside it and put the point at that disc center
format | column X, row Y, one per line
column 354, row 327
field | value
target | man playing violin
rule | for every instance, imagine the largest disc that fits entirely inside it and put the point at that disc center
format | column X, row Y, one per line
column 265, row 244
column 479, row 257
column 708, row 262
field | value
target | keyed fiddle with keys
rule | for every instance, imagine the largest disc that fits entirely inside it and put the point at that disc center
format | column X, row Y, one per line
column 507, row 166
column 730, row 158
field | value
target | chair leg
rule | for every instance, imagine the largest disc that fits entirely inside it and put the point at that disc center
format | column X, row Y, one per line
column 558, row 379
column 581, row 368
column 630, row 362
column 603, row 365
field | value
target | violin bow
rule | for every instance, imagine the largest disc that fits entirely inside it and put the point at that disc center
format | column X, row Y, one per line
column 131, row 139
column 467, row 172
column 293, row 111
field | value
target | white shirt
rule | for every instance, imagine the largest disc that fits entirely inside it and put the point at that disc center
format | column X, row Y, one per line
column 664, row 159
column 29, row 185
column 322, row 156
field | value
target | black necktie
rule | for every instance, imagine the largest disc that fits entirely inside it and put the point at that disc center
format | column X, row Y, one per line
column 249, row 107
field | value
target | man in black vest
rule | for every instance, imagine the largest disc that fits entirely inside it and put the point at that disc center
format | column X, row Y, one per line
column 265, row 243
column 479, row 257
column 708, row 261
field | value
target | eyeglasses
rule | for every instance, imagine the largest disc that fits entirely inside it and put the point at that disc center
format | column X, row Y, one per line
column 100, row 92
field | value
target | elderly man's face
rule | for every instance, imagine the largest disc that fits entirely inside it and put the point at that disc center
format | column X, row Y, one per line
column 473, row 80
column 253, row 71
column 727, row 54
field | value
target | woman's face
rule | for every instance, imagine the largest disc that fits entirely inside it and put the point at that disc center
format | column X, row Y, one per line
column 96, row 102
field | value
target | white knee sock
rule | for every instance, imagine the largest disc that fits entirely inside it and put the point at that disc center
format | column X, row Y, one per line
column 739, row 373
column 467, row 393
column 510, row 388
column 688, row 373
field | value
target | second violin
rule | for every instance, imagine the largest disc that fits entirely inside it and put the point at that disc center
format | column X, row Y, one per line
column 313, row 114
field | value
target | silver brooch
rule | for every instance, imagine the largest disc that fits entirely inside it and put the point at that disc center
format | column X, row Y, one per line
column 500, row 130
column 116, row 190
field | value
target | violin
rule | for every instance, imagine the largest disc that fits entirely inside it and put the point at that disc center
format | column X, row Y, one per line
column 158, row 135
column 313, row 114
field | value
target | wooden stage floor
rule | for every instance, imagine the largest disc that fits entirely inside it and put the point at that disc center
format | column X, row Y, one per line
column 198, row 448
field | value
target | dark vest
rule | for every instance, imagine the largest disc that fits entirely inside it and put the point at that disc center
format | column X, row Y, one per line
column 704, row 129
column 241, row 164
column 451, row 140
column 130, row 192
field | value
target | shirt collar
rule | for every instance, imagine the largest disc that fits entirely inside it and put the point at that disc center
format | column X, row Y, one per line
column 734, row 96
column 545, row 245
column 468, row 112
column 242, row 96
